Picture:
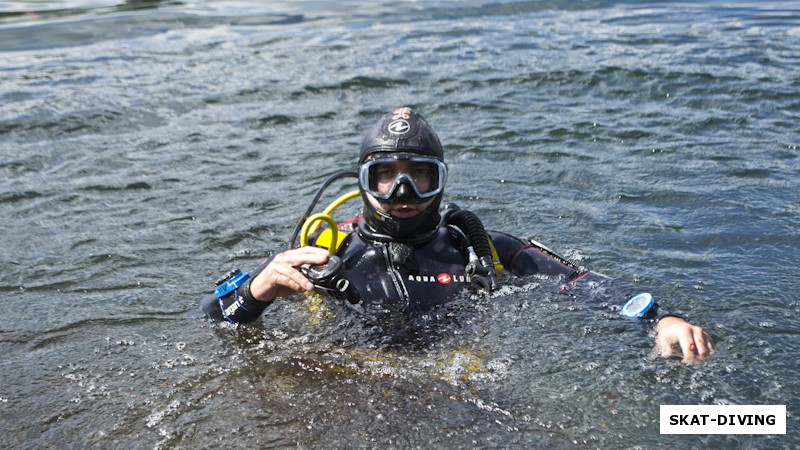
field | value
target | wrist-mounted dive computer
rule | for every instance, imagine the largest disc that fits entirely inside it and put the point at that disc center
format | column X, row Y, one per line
column 639, row 305
column 230, row 282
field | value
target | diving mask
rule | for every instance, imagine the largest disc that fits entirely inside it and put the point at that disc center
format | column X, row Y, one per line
column 401, row 177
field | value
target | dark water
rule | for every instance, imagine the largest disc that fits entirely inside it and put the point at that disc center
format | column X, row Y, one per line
column 147, row 147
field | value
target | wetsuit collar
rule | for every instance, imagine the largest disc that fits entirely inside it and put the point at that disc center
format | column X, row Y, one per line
column 369, row 234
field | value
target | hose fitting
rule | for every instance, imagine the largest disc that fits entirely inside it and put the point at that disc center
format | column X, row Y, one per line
column 480, row 268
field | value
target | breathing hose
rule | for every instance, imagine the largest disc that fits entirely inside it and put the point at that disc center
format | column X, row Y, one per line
column 480, row 269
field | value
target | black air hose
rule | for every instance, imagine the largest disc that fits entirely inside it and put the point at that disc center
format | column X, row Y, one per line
column 472, row 227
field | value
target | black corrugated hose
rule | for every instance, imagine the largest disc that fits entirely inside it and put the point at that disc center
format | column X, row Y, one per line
column 472, row 227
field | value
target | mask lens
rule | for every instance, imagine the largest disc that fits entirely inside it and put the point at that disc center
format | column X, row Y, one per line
column 425, row 177
column 383, row 177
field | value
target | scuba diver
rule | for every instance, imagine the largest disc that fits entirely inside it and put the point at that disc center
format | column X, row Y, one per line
column 409, row 250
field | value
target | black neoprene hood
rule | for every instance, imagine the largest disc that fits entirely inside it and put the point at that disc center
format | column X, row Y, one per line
column 402, row 130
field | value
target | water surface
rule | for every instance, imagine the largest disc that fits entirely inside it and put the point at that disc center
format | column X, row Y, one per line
column 147, row 147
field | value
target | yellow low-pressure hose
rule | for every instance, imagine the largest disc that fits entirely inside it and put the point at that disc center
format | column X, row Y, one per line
column 332, row 207
column 320, row 217
column 311, row 225
column 335, row 204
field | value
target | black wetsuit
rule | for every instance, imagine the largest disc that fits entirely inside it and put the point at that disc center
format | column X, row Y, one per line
column 416, row 275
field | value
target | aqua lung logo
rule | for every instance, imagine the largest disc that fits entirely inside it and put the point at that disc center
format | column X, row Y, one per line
column 399, row 126
column 233, row 308
column 442, row 278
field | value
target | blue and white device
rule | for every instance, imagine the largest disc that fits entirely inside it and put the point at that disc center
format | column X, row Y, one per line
column 230, row 282
column 639, row 305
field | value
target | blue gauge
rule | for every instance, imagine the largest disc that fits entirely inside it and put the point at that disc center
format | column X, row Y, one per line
column 639, row 305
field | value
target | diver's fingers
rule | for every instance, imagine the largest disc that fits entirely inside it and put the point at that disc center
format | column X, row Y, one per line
column 705, row 346
column 278, row 279
column 693, row 341
column 664, row 349
column 687, row 344
column 285, row 275
column 664, row 344
column 302, row 255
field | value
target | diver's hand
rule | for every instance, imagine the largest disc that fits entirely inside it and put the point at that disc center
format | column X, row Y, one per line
column 694, row 342
column 281, row 278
